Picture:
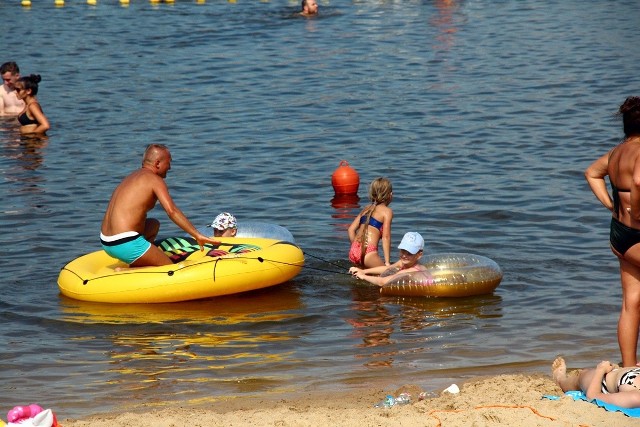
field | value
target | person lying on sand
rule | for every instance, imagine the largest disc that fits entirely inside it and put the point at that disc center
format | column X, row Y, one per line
column 607, row 382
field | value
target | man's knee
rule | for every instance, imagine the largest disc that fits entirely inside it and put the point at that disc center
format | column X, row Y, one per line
column 153, row 257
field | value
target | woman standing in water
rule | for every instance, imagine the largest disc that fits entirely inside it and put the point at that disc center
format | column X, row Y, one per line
column 372, row 225
column 622, row 165
column 31, row 118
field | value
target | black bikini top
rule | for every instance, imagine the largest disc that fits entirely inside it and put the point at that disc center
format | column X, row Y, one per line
column 25, row 120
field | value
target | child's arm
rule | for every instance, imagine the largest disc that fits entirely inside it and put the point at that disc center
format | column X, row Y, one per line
column 374, row 270
column 386, row 237
column 372, row 275
column 376, row 280
column 353, row 228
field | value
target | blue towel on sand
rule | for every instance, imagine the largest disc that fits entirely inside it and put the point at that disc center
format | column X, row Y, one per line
column 578, row 395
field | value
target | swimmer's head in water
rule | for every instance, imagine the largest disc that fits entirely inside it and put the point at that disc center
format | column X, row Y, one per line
column 309, row 7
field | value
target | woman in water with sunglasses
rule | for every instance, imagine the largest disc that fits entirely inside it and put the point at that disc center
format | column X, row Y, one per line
column 31, row 118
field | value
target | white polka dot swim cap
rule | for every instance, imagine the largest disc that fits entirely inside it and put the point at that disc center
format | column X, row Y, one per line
column 224, row 221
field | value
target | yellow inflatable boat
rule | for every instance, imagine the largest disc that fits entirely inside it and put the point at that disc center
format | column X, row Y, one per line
column 236, row 265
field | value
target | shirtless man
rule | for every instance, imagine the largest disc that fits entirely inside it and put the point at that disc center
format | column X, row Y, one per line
column 10, row 105
column 126, row 232
column 309, row 8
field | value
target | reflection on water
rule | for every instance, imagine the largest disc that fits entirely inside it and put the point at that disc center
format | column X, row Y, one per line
column 31, row 147
column 25, row 150
column 374, row 323
column 266, row 305
column 169, row 346
column 344, row 205
column 141, row 355
column 21, row 164
column 445, row 22
column 425, row 319
column 477, row 306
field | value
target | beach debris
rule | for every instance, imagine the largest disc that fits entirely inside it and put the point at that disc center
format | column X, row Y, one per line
column 31, row 416
column 550, row 397
column 389, row 400
column 427, row 395
column 453, row 389
column 403, row 399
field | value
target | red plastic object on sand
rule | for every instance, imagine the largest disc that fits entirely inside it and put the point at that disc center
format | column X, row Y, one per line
column 345, row 179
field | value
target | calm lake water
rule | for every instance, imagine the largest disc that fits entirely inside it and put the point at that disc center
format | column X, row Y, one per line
column 484, row 114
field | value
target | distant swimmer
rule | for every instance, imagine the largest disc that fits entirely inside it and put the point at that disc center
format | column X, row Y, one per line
column 309, row 8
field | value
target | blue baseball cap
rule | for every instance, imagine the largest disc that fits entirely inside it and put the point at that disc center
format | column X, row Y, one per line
column 412, row 242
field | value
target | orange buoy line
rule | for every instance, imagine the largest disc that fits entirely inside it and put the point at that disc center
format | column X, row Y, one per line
column 27, row 3
column 345, row 179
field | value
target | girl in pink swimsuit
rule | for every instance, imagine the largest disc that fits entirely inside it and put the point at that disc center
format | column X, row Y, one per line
column 372, row 225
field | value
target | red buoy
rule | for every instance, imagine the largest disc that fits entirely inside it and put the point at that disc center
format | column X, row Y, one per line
column 345, row 179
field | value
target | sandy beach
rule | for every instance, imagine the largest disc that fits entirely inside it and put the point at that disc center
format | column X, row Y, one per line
column 504, row 400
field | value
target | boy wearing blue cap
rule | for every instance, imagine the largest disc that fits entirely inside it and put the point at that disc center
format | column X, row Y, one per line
column 411, row 250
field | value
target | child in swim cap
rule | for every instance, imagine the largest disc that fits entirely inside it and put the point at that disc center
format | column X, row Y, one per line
column 411, row 250
column 224, row 225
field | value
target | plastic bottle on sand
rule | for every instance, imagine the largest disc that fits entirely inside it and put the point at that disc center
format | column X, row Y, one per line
column 403, row 399
column 389, row 400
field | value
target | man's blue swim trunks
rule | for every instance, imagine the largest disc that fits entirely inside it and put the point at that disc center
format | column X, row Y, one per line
column 127, row 246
